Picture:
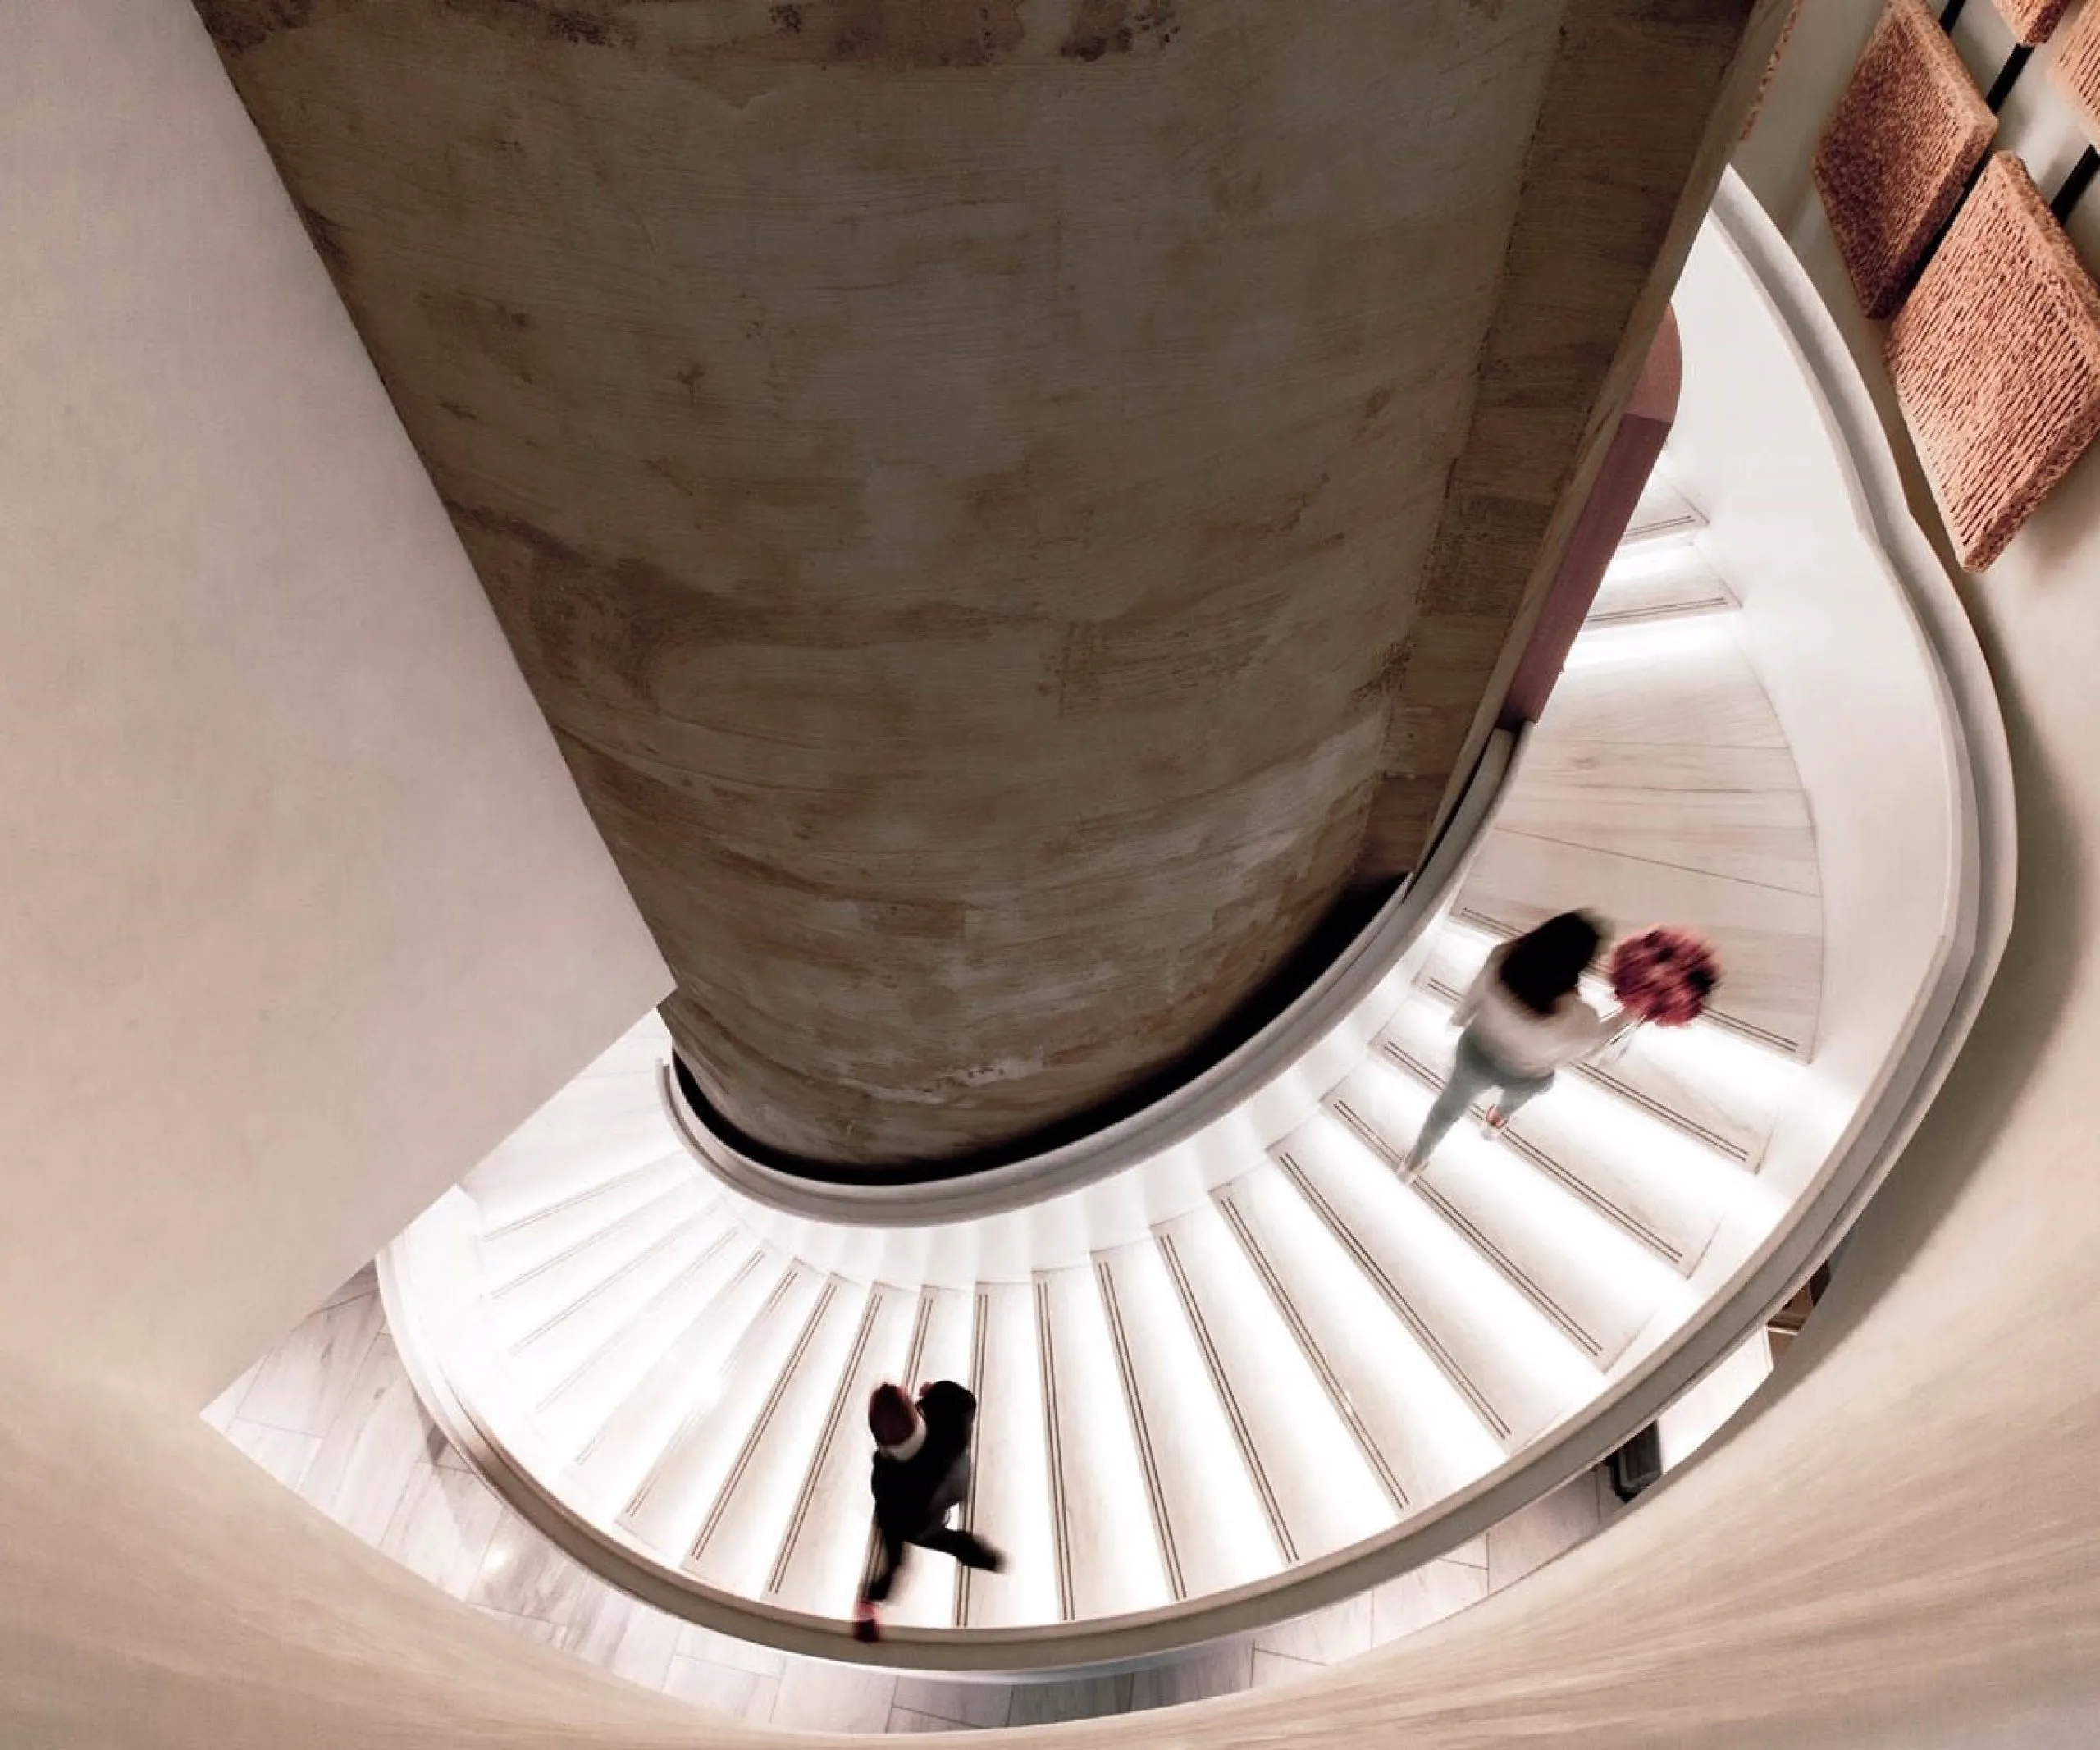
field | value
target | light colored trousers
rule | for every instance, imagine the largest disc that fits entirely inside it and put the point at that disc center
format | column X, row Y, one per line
column 1473, row 1073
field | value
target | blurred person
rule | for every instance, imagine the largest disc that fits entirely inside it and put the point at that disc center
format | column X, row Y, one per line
column 1524, row 1018
column 921, row 1475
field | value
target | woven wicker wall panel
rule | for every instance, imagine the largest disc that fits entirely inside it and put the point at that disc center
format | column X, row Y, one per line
column 1898, row 151
column 2077, row 68
column 2032, row 20
column 1995, row 359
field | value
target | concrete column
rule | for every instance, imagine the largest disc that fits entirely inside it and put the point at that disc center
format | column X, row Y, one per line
column 960, row 477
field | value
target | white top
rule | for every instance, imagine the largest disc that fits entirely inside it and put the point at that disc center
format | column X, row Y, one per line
column 1524, row 1042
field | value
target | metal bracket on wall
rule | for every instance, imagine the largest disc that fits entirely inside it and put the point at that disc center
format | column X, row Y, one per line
column 2016, row 63
column 2075, row 182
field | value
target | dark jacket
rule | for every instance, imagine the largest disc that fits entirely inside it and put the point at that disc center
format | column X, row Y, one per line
column 914, row 1494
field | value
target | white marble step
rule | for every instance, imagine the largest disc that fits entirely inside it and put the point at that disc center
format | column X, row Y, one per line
column 819, row 1565
column 737, row 1543
column 549, row 1352
column 600, row 1243
column 580, row 1403
column 930, row 1592
column 1013, row 1489
column 1714, row 1086
column 1660, row 579
column 1218, row 1532
column 586, row 1134
column 1663, row 514
column 1103, row 1510
column 615, row 1457
column 1317, row 1468
column 1430, row 1437
column 1658, row 1186
column 517, row 1202
column 1599, row 1286
column 722, row 1407
column 1520, row 1368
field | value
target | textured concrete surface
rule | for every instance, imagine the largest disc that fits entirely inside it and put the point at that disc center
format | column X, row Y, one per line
column 968, row 483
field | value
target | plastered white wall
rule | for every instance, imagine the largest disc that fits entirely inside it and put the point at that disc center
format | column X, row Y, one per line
column 1829, row 628
column 299, row 913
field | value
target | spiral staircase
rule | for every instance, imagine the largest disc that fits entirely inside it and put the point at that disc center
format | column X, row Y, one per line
column 1840, row 1569
column 1203, row 1379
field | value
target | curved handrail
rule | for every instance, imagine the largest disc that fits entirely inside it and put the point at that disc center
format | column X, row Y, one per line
column 1939, row 1024
column 1217, row 1093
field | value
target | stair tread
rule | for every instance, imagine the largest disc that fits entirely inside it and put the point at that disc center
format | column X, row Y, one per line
column 1520, row 1368
column 1012, row 1506
column 579, row 1403
column 613, row 1458
column 599, row 1241
column 547, row 1354
column 738, row 1543
column 1325, row 1488
column 1432, row 1438
column 1218, row 1529
column 515, row 1189
column 1661, row 507
column 1598, row 1284
column 1659, row 580
column 722, row 1408
column 818, row 1568
column 1769, row 939
column 1664, row 1189
column 1104, row 1506
column 1696, row 1079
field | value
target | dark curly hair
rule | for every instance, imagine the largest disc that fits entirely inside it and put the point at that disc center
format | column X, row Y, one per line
column 1544, row 965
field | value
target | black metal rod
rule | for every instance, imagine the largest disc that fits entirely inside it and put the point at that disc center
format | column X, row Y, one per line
column 1948, row 13
column 2001, row 87
column 2075, row 183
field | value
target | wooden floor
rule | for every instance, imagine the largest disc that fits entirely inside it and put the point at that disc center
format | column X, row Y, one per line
column 331, row 1414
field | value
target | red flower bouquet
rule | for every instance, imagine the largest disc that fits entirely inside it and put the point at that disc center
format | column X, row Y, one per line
column 1665, row 976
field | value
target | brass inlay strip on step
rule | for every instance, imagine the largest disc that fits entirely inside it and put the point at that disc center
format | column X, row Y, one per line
column 1053, row 1450
column 749, row 1450
column 1410, row 1316
column 1163, row 1524
column 1315, row 1355
column 1286, row 1545
column 694, row 1417
column 1482, row 1241
column 834, row 1419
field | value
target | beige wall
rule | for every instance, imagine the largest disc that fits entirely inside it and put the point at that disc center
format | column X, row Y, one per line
column 301, row 912
column 1827, row 39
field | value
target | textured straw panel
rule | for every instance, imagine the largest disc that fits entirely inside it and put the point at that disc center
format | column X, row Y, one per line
column 1898, row 152
column 2032, row 20
column 1997, row 361
column 2077, row 68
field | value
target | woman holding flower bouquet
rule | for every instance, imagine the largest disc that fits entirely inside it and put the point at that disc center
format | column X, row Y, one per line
column 1525, row 1018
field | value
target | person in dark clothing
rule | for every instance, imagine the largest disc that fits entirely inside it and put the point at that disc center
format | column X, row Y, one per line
column 921, row 1475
